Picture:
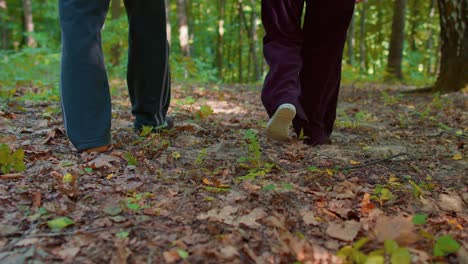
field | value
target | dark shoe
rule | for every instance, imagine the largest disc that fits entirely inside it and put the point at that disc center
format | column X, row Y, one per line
column 168, row 125
column 312, row 142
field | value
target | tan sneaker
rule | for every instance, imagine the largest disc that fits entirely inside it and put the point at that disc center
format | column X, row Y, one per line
column 100, row 149
column 278, row 125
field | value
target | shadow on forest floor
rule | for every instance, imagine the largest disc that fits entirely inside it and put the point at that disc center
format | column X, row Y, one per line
column 215, row 190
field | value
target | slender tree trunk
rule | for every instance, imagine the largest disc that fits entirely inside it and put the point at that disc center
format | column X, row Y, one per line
column 350, row 42
column 454, row 49
column 183, row 27
column 414, row 23
column 380, row 26
column 28, row 24
column 395, row 56
column 239, row 48
column 430, row 40
column 168, row 21
column 4, row 32
column 116, row 9
column 220, row 42
column 254, row 41
column 362, row 38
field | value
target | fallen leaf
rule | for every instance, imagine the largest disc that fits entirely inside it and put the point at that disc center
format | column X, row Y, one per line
column 67, row 253
column 112, row 210
column 366, row 205
column 457, row 156
column 59, row 223
column 27, row 242
column 228, row 252
column 450, row 202
column 250, row 219
column 398, row 228
column 309, row 218
column 103, row 161
column 171, row 256
column 346, row 231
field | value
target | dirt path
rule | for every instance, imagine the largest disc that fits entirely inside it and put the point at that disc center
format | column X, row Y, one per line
column 215, row 190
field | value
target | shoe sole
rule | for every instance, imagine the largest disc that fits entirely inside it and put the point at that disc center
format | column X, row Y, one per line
column 278, row 126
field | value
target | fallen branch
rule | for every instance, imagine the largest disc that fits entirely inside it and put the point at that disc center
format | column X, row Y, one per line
column 11, row 176
column 373, row 162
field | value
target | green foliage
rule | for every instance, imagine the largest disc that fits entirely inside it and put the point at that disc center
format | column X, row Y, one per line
column 445, row 245
column 419, row 219
column 131, row 160
column 11, row 160
column 205, row 111
column 60, row 223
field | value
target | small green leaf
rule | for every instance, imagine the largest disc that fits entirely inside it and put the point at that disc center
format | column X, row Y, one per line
column 287, row 186
column 390, row 246
column 146, row 130
column 360, row 243
column 401, row 256
column 88, row 170
column 445, row 245
column 375, row 260
column 313, row 168
column 122, row 234
column 131, row 160
column 59, row 223
column 419, row 219
column 205, row 111
column 386, row 195
column 270, row 187
column 133, row 206
column 182, row 253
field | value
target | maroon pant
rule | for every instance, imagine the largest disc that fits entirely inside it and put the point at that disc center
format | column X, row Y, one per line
column 305, row 60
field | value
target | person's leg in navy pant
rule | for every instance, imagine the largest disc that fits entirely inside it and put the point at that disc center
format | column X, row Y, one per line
column 305, row 65
column 84, row 85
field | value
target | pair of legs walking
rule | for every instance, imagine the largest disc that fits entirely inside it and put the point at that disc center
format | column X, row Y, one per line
column 305, row 64
column 84, row 85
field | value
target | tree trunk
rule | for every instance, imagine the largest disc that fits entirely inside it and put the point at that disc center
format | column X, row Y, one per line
column 395, row 56
column 4, row 32
column 183, row 27
column 362, row 38
column 430, row 41
column 350, row 42
column 254, row 41
column 240, row 46
column 168, row 21
column 116, row 49
column 28, row 24
column 454, row 47
column 220, row 42
column 117, row 9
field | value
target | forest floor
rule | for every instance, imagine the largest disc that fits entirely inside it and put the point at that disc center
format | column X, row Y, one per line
column 215, row 190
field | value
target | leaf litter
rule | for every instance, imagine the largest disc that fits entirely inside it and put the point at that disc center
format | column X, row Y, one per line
column 392, row 187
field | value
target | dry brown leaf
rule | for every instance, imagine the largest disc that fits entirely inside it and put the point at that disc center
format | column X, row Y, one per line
column 36, row 199
column 171, row 256
column 366, row 205
column 121, row 252
column 450, row 202
column 309, row 218
column 228, row 252
column 250, row 219
column 346, row 231
column 27, row 242
column 67, row 253
column 398, row 228
column 224, row 215
column 103, row 161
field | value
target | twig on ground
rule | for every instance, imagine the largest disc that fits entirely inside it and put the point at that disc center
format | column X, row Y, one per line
column 11, row 176
column 373, row 162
